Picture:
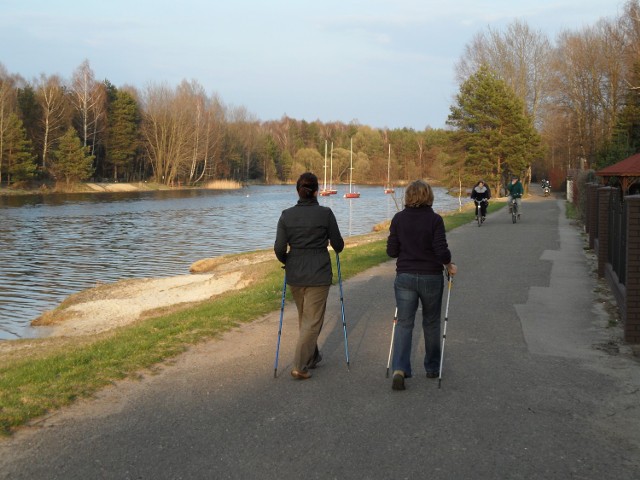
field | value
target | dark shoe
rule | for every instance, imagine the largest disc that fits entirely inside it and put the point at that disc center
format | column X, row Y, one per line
column 484, row 218
column 300, row 374
column 316, row 360
column 433, row 374
column 398, row 380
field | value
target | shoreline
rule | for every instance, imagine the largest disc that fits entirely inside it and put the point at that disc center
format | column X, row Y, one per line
column 47, row 188
column 108, row 306
column 100, row 309
column 113, row 187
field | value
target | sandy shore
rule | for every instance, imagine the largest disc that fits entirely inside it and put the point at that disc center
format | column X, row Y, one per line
column 108, row 306
column 95, row 187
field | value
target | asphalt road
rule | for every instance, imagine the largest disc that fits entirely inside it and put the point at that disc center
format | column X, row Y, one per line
column 535, row 385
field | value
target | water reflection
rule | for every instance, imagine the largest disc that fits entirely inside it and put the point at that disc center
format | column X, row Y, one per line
column 56, row 245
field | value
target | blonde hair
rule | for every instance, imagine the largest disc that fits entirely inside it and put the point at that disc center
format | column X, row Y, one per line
column 418, row 194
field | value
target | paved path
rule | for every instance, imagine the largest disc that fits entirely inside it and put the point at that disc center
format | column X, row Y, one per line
column 532, row 387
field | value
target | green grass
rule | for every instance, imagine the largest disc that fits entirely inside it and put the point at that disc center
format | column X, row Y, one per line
column 570, row 211
column 57, row 372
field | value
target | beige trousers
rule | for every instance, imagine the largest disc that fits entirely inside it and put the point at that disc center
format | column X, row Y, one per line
column 312, row 304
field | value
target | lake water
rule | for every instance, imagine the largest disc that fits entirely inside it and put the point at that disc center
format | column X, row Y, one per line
column 55, row 245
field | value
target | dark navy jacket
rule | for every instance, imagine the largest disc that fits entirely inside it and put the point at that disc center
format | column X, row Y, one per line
column 307, row 228
column 418, row 240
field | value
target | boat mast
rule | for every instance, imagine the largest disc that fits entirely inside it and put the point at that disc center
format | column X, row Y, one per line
column 351, row 166
column 331, row 169
column 325, row 166
column 388, row 169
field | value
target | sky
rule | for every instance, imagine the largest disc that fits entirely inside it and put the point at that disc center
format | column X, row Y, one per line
column 381, row 63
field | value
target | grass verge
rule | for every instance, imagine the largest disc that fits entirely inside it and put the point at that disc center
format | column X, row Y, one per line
column 59, row 371
column 571, row 212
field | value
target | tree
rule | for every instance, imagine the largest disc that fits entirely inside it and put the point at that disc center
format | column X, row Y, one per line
column 16, row 147
column 30, row 112
column 625, row 140
column 89, row 99
column 122, row 137
column 182, row 131
column 588, row 91
column 72, row 161
column 498, row 138
column 629, row 23
column 269, row 155
column 308, row 160
column 519, row 56
column 55, row 113
column 7, row 106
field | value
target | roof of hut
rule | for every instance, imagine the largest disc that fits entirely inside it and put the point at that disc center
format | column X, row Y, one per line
column 629, row 167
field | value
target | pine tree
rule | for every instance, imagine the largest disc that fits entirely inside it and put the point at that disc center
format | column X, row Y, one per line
column 499, row 140
column 123, row 133
column 17, row 152
column 72, row 161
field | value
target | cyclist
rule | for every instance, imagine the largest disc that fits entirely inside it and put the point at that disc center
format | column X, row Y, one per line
column 516, row 191
column 480, row 194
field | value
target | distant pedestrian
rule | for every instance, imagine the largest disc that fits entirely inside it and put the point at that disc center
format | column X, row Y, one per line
column 307, row 229
column 418, row 240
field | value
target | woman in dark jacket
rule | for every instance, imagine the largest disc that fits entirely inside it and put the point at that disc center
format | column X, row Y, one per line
column 418, row 240
column 307, row 228
column 481, row 194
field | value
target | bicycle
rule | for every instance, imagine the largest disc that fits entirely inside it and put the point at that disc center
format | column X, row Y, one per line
column 479, row 216
column 514, row 210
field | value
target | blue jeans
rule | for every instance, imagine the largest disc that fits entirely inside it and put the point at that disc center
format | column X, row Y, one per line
column 518, row 201
column 409, row 288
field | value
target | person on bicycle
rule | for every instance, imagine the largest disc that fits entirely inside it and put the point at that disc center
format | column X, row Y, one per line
column 516, row 191
column 481, row 194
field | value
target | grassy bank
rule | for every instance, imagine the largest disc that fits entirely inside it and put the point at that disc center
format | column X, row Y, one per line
column 54, row 372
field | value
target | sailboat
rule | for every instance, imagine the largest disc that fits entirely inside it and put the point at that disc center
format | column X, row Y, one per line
column 388, row 188
column 325, row 192
column 351, row 193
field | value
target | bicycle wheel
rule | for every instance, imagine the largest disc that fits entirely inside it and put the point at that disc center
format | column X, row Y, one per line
column 514, row 212
column 479, row 215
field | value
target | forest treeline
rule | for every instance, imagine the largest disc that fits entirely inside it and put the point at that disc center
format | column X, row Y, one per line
column 527, row 105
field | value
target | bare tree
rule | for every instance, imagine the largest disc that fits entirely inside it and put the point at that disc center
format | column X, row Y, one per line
column 588, row 87
column 89, row 99
column 214, row 131
column 629, row 23
column 51, row 97
column 519, row 56
column 174, row 128
column 245, row 130
column 158, row 132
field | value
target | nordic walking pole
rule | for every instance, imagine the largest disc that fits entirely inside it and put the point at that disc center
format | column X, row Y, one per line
column 344, row 324
column 284, row 292
column 444, row 333
column 393, row 331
